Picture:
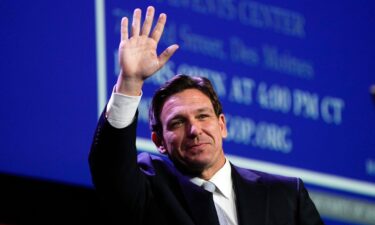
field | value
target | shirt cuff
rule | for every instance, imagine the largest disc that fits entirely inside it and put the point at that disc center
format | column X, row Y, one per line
column 121, row 109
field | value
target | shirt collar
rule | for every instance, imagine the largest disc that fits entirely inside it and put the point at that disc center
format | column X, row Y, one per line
column 222, row 180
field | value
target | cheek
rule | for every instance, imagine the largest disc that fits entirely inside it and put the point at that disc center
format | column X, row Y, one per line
column 216, row 130
column 172, row 140
column 217, row 135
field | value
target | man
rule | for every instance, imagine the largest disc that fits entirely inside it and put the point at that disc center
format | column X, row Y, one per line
column 197, row 185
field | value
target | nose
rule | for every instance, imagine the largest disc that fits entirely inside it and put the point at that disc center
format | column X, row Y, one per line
column 194, row 129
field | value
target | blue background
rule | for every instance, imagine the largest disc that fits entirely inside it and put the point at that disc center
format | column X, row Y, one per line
column 49, row 88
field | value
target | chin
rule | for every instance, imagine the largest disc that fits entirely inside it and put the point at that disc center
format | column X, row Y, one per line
column 190, row 166
column 198, row 163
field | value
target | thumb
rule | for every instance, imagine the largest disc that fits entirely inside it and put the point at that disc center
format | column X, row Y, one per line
column 166, row 54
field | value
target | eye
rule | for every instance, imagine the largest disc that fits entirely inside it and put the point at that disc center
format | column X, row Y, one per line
column 176, row 123
column 202, row 116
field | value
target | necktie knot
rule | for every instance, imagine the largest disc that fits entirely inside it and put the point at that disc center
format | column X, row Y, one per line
column 209, row 186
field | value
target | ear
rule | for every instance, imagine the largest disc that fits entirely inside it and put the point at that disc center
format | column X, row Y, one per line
column 159, row 143
column 223, row 126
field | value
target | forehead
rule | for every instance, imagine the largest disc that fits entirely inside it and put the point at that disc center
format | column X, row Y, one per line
column 186, row 101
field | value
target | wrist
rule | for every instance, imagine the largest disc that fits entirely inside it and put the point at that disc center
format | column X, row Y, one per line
column 129, row 86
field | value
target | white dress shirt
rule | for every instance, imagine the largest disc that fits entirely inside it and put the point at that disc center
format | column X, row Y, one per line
column 121, row 109
column 120, row 113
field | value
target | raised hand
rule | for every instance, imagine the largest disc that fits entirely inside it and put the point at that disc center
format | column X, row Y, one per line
column 137, row 54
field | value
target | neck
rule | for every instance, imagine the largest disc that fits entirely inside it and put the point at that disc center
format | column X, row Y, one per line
column 210, row 172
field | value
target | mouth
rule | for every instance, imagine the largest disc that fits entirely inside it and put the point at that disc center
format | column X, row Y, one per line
column 196, row 148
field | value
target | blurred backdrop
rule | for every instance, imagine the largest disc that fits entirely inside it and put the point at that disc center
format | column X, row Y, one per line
column 295, row 79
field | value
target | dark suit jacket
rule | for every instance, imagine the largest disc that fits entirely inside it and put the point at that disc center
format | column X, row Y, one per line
column 147, row 189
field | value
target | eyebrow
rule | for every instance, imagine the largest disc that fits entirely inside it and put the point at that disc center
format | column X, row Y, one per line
column 204, row 109
column 200, row 110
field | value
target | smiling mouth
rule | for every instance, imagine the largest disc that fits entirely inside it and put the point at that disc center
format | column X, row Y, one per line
column 196, row 147
column 196, row 144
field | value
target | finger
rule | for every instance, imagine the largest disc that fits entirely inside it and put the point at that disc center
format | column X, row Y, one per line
column 159, row 27
column 148, row 21
column 168, row 52
column 136, row 24
column 124, row 29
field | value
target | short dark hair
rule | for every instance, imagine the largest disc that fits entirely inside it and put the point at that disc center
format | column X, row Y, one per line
column 175, row 85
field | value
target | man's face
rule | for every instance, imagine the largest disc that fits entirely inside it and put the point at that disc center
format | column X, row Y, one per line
column 192, row 133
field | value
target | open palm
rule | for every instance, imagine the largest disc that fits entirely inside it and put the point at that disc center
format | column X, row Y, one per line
column 137, row 52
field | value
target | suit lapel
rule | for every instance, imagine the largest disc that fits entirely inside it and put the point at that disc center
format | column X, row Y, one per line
column 251, row 197
column 200, row 203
